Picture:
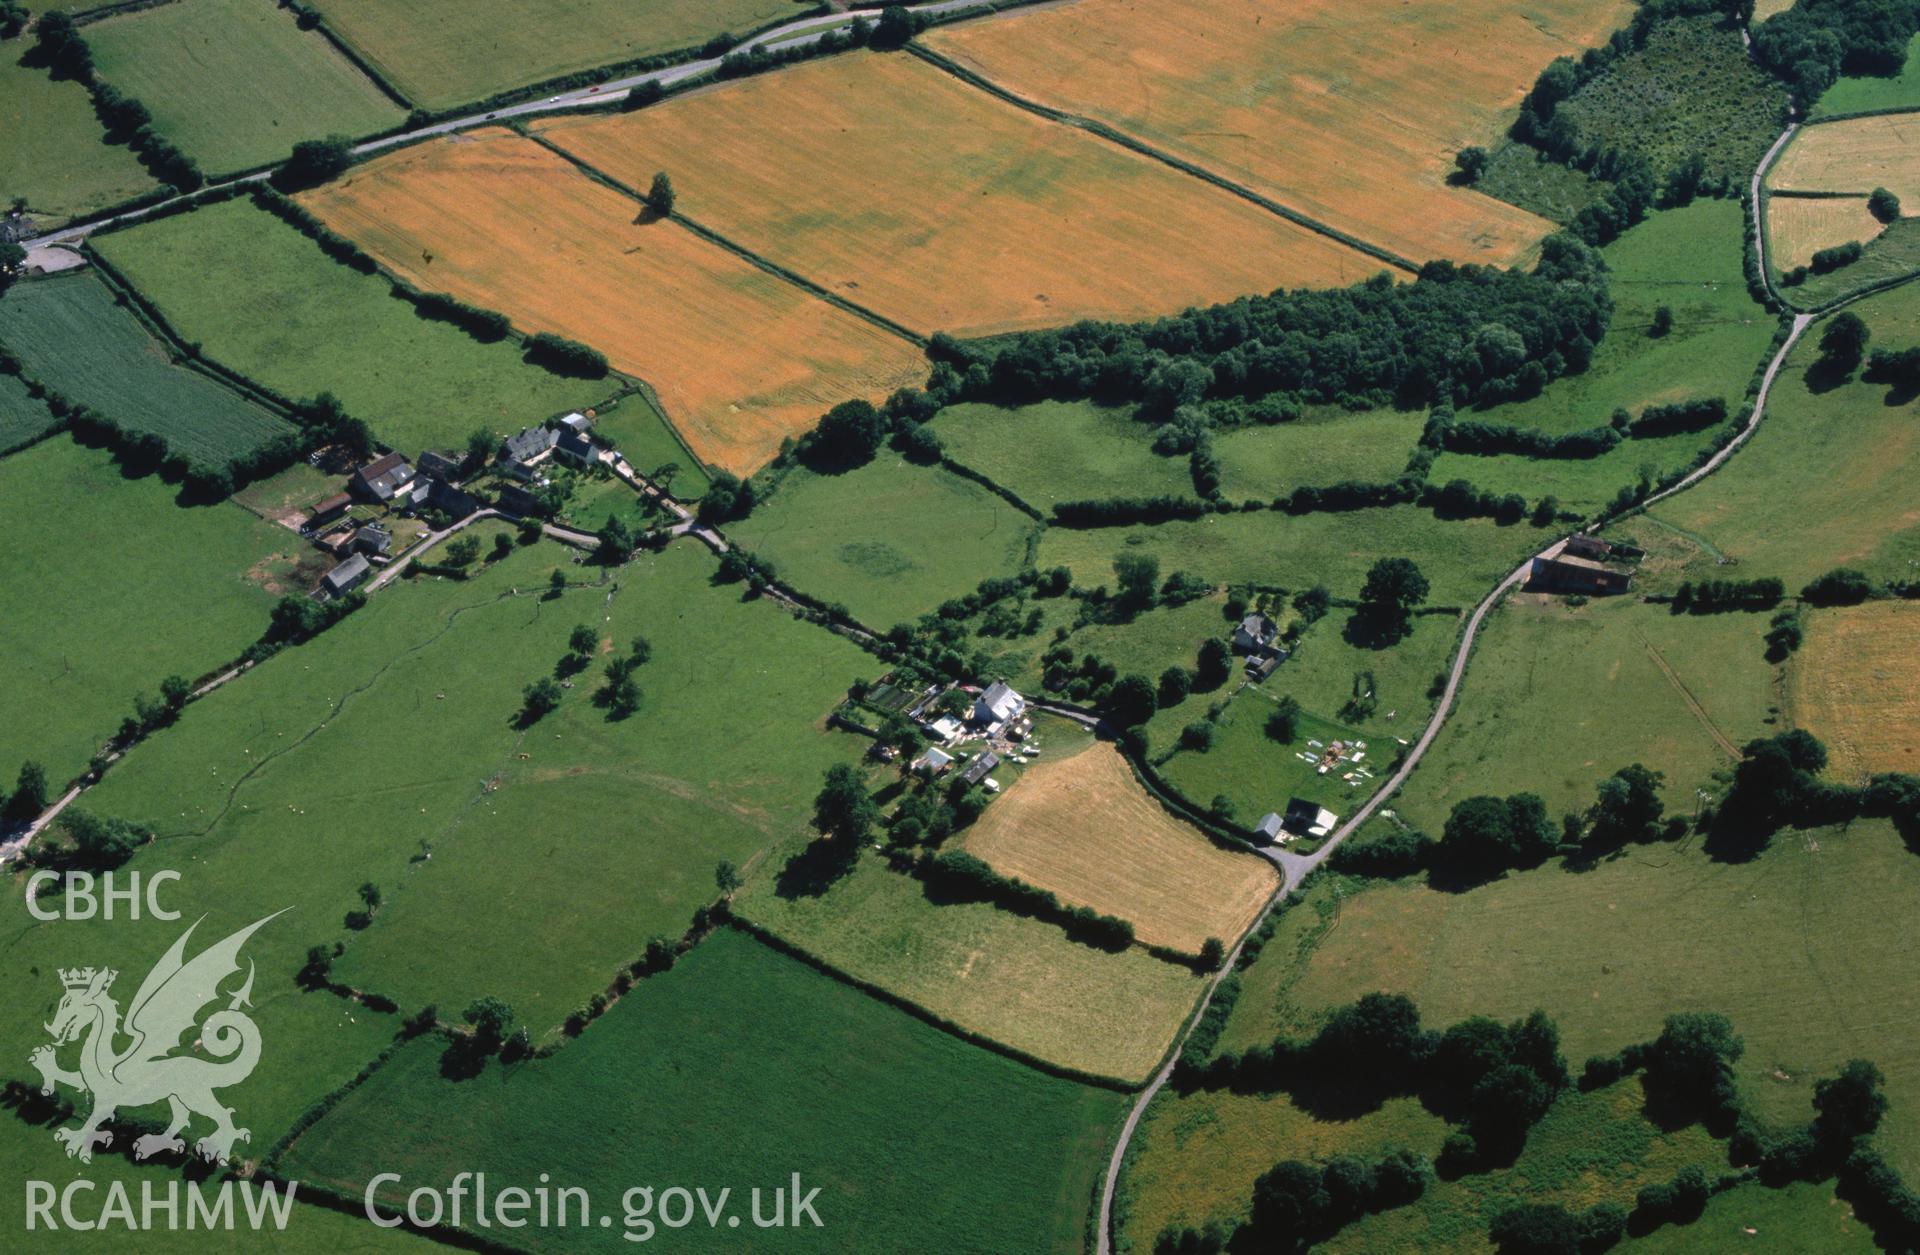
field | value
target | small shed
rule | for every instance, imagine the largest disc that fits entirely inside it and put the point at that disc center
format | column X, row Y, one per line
column 933, row 762
column 1268, row 829
column 329, row 509
column 977, row 770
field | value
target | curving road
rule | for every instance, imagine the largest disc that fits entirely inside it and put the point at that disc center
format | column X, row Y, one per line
column 1296, row 867
column 795, row 34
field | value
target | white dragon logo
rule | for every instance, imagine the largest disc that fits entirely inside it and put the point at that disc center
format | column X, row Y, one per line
column 169, row 1004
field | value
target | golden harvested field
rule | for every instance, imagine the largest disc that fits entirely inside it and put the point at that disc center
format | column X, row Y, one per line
column 741, row 359
column 1800, row 226
column 892, row 183
column 1083, row 827
column 1349, row 113
column 1856, row 155
column 1856, row 685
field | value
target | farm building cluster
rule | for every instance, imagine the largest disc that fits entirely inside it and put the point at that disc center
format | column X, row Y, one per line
column 356, row 527
column 1257, row 639
column 996, row 728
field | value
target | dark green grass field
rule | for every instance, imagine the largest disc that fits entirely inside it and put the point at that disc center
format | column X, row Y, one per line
column 890, row 540
column 21, row 417
column 1858, row 95
column 70, row 335
column 440, row 53
column 236, row 83
column 308, row 325
column 55, row 155
column 29, row 1153
column 126, row 589
column 1843, row 456
column 739, row 1068
column 1522, row 175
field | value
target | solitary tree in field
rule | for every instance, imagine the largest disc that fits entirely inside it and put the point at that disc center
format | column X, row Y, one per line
column 660, row 194
column 1883, row 204
column 843, row 808
column 727, row 878
column 29, row 792
column 1138, row 575
column 540, row 698
column 1843, row 343
column 1394, row 587
column 1283, row 725
column 1662, row 321
column 1472, row 163
column 315, row 161
column 489, row 1018
column 583, row 640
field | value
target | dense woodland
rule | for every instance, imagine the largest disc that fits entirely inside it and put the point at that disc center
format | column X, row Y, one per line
column 1462, row 334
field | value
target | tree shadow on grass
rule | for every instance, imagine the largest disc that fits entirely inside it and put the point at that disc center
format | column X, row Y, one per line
column 1373, row 630
column 815, row 869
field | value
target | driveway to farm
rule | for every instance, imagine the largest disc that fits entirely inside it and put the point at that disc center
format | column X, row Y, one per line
column 795, row 34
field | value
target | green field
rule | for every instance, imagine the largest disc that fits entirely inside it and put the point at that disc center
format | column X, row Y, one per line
column 1557, row 698
column 639, row 431
column 449, row 798
column 1005, row 976
column 332, row 762
column 1688, row 260
column 890, row 540
column 1461, row 559
column 1261, row 463
column 55, row 155
column 1058, row 451
column 1843, row 457
column 28, row 1152
column 1804, row 949
column 1858, row 95
column 70, row 337
column 127, row 589
column 310, row 325
column 441, row 53
column 1258, row 774
column 22, row 419
column 626, row 820
column 235, row 83
column 1754, row 1218
column 1061, row 451
column 739, row 1068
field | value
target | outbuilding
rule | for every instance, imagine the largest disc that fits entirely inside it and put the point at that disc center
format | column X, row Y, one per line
column 345, row 577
